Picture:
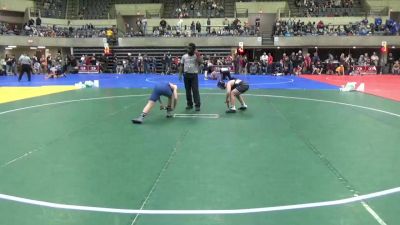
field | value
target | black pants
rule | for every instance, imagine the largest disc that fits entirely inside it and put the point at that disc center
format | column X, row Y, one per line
column 226, row 74
column 191, row 81
column 25, row 68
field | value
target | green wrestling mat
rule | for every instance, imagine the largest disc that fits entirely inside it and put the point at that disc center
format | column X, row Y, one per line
column 63, row 153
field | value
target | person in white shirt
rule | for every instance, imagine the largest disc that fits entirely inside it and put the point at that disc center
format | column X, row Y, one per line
column 374, row 59
column 264, row 62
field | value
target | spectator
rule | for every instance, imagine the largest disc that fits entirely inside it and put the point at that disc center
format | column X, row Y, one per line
column 340, row 70
column 317, row 68
column 270, row 63
column 140, row 63
column 38, row 22
column 198, row 27
column 361, row 60
column 286, row 64
column 307, row 64
column 193, row 28
column 375, row 59
column 144, row 25
column 264, row 62
column 208, row 25
column 316, row 58
column 396, row 68
column 299, row 28
column 226, row 23
column 3, row 66
column 258, row 21
column 390, row 61
column 163, row 24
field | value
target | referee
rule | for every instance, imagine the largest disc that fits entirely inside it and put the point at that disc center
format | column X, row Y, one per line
column 190, row 66
column 26, row 63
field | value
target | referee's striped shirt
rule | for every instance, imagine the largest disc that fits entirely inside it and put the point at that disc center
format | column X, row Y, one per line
column 24, row 60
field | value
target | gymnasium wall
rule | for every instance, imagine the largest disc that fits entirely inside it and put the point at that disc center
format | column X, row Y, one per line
column 16, row 5
column 136, row 9
column 264, row 7
column 392, row 4
column 137, row 41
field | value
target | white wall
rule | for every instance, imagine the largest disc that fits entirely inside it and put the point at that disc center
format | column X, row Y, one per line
column 16, row 5
column 262, row 7
column 62, row 22
column 136, row 9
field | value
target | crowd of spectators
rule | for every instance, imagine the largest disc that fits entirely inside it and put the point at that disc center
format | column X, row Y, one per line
column 195, row 29
column 299, row 63
column 52, row 66
column 40, row 30
column 296, row 63
column 53, row 8
column 311, row 8
column 199, row 8
column 364, row 27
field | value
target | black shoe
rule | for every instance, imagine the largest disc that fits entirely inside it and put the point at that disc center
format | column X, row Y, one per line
column 138, row 120
column 197, row 109
column 169, row 114
column 189, row 107
column 243, row 108
column 231, row 111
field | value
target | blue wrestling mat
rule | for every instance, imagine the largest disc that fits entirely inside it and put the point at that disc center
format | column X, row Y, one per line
column 148, row 80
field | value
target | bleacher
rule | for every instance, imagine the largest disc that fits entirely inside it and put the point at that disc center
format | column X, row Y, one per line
column 52, row 8
column 136, row 1
column 201, row 9
column 94, row 9
column 298, row 9
column 157, row 52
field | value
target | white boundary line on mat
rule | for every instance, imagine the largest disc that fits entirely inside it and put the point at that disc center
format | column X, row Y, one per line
column 70, row 101
column 201, row 212
column 203, row 116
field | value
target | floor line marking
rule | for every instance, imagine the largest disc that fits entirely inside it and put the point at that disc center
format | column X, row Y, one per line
column 202, row 116
column 20, row 157
column 255, row 95
column 373, row 213
column 167, row 163
column 70, row 101
column 331, row 168
column 202, row 212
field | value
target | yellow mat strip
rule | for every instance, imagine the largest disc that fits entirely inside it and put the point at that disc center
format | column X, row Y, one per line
column 10, row 94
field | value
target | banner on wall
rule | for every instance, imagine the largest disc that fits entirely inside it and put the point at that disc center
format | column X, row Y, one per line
column 89, row 69
column 365, row 70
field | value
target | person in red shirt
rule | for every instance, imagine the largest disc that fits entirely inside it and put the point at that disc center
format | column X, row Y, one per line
column 228, row 60
column 307, row 63
column 270, row 63
column 88, row 60
column 176, row 62
column 270, row 59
